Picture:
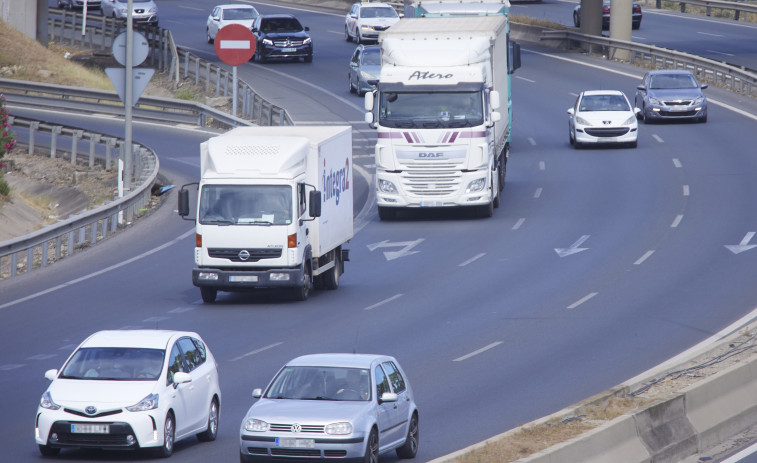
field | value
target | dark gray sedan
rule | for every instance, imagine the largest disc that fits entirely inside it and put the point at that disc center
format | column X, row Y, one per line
column 671, row 95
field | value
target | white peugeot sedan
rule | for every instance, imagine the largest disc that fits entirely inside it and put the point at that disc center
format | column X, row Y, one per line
column 602, row 116
column 223, row 15
column 332, row 406
column 131, row 389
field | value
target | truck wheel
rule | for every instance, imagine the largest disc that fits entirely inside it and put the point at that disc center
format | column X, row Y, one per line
column 331, row 278
column 487, row 210
column 503, row 167
column 303, row 291
column 495, row 200
column 208, row 294
column 386, row 213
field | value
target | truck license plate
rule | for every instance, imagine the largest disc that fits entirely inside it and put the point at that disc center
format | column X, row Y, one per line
column 243, row 278
column 295, row 443
column 90, row 429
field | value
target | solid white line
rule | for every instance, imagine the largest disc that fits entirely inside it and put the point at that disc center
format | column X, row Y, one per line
column 644, row 257
column 686, row 190
column 537, row 193
column 677, row 163
column 519, row 223
column 743, row 453
column 720, row 53
column 676, row 221
column 257, row 351
column 582, row 300
column 385, row 301
column 483, row 349
column 542, row 165
column 99, row 272
column 658, row 138
column 472, row 259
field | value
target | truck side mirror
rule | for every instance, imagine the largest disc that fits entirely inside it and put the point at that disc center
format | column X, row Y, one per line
column 183, row 202
column 368, row 100
column 314, row 209
column 494, row 99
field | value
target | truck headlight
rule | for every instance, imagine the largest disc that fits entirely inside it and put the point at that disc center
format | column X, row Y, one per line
column 386, row 186
column 207, row 276
column 476, row 185
column 254, row 425
column 279, row 276
column 343, row 427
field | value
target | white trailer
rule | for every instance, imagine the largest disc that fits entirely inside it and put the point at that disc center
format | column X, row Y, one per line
column 436, row 8
column 443, row 140
column 274, row 209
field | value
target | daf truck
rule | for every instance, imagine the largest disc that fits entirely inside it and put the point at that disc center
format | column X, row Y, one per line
column 274, row 209
column 443, row 129
column 435, row 8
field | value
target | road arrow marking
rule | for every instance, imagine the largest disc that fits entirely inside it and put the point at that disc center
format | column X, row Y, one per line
column 574, row 248
column 743, row 246
column 391, row 255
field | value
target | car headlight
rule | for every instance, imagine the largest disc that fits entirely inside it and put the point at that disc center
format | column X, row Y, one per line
column 255, row 425
column 47, row 402
column 153, row 10
column 654, row 100
column 307, row 41
column 630, row 120
column 121, row 11
column 698, row 100
column 342, row 427
column 580, row 120
column 476, row 185
column 148, row 403
column 366, row 28
column 386, row 186
column 267, row 42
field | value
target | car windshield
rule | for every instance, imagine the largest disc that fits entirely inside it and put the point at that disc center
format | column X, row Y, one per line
column 662, row 81
column 245, row 205
column 281, row 25
column 430, row 109
column 115, row 363
column 378, row 12
column 603, row 103
column 239, row 13
column 321, row 383
column 371, row 57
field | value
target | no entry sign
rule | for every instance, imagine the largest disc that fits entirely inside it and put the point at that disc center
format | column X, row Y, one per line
column 235, row 44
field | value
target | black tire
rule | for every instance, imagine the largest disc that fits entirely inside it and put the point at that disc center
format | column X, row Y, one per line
column 503, row 167
column 308, row 59
column 169, row 435
column 208, row 294
column 349, row 80
column 262, row 59
column 347, row 36
column 358, row 40
column 372, row 448
column 211, row 432
column 410, row 448
column 48, row 451
column 576, row 19
column 331, row 277
column 571, row 140
column 386, row 213
column 633, row 144
column 703, row 119
column 495, row 201
column 487, row 210
column 207, row 33
column 302, row 292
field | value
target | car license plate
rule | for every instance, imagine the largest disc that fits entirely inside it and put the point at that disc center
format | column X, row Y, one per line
column 295, row 443
column 243, row 278
column 288, row 50
column 90, row 429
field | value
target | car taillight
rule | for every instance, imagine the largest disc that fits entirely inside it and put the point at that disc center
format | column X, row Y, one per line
column 637, row 8
column 605, row 9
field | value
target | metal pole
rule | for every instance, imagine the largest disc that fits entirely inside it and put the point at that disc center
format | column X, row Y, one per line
column 234, row 92
column 128, row 95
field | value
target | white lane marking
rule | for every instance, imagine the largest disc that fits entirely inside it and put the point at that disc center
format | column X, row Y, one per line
column 11, row 366
column 41, row 357
column 385, row 301
column 256, row 351
column 476, row 352
column 644, row 257
column 532, row 141
column 155, row 319
column 99, row 272
column 472, row 259
column 711, row 34
column 676, row 221
column 542, row 165
column 720, row 53
column 527, row 80
column 686, row 190
column 740, row 455
column 181, row 309
column 677, row 163
column 582, row 300
column 537, row 193
column 658, row 138
column 519, row 223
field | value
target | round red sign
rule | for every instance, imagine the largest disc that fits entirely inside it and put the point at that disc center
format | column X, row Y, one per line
column 235, row 44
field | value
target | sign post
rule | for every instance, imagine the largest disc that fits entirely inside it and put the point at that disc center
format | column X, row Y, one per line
column 234, row 45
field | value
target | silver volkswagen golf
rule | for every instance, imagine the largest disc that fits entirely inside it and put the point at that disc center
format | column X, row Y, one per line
column 332, row 406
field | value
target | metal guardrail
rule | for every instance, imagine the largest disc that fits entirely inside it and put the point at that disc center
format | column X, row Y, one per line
column 737, row 7
column 734, row 78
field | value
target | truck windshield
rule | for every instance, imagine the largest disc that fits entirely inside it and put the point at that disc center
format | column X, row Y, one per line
column 245, row 205
column 428, row 110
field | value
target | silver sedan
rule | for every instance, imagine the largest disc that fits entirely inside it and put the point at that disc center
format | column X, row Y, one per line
column 671, row 95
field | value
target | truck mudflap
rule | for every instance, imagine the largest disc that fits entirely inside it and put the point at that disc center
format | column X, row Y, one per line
column 231, row 280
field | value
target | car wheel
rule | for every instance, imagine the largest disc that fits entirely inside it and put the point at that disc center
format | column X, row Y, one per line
column 571, row 138
column 703, row 118
column 208, row 294
column 347, row 36
column 410, row 448
column 308, row 59
column 212, row 431
column 169, row 434
column 207, row 33
column 372, row 448
column 633, row 144
column 262, row 59
column 349, row 81
column 358, row 39
column 576, row 19
column 48, row 451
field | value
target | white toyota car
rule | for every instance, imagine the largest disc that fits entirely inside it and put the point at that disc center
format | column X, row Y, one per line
column 131, row 389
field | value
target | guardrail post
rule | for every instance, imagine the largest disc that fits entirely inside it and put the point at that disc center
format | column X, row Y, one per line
column 32, row 130
column 94, row 138
column 14, row 263
column 218, row 81
column 186, row 64
column 75, row 136
column 45, row 247
column 29, row 259
column 735, row 15
column 207, row 77
column 58, row 247
column 683, row 7
column 56, row 129
column 197, row 71
column 110, row 142
column 70, row 247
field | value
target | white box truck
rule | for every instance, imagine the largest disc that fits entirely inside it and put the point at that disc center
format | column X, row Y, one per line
column 435, row 8
column 443, row 140
column 274, row 209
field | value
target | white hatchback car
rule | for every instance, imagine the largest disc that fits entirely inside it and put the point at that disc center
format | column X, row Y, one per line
column 131, row 389
column 332, row 407
column 602, row 116
column 364, row 21
column 223, row 15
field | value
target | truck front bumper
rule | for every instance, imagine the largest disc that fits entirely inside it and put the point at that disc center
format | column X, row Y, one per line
column 239, row 280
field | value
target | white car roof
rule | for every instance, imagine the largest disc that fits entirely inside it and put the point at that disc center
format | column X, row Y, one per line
column 235, row 6
column 339, row 360
column 151, row 339
column 375, row 5
column 603, row 92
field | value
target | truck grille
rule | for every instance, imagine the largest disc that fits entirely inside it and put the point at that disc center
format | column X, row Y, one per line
column 233, row 255
column 431, row 179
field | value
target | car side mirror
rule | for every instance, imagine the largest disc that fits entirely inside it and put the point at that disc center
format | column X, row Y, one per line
column 307, row 29
column 571, row 111
column 181, row 377
column 704, row 86
column 641, row 87
column 257, row 393
column 51, row 374
column 388, row 397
